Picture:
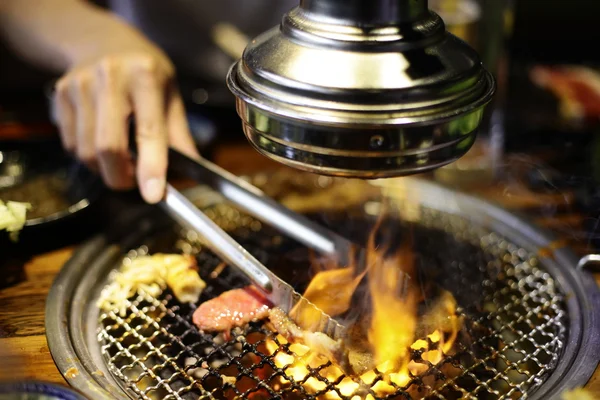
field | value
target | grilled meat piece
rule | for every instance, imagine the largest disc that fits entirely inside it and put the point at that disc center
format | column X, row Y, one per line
column 231, row 309
column 152, row 274
column 181, row 275
column 318, row 342
column 331, row 291
column 360, row 351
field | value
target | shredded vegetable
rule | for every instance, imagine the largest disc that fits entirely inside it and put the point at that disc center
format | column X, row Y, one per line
column 13, row 216
column 153, row 274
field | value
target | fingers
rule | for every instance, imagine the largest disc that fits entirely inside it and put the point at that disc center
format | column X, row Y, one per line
column 151, row 130
column 93, row 104
column 111, row 130
column 180, row 137
column 65, row 115
column 82, row 94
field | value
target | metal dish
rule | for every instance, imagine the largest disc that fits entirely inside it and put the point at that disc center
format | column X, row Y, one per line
column 480, row 252
column 40, row 173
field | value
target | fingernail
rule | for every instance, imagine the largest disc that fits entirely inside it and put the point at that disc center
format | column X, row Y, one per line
column 154, row 190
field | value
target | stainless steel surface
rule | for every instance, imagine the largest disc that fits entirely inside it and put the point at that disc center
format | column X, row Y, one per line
column 253, row 201
column 365, row 88
column 184, row 212
column 530, row 314
column 589, row 261
column 275, row 290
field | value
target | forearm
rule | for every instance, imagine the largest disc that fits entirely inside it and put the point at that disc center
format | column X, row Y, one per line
column 56, row 34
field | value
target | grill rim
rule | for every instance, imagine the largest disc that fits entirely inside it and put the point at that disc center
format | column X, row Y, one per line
column 583, row 343
column 68, row 305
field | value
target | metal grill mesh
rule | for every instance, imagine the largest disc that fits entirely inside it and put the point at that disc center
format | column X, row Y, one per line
column 513, row 332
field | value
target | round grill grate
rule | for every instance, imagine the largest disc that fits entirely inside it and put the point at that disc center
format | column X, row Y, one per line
column 513, row 336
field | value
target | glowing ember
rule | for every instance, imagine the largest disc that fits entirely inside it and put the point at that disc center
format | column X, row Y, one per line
column 298, row 365
column 389, row 330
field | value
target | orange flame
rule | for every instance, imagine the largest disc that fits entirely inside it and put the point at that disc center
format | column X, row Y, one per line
column 390, row 334
column 394, row 300
column 331, row 291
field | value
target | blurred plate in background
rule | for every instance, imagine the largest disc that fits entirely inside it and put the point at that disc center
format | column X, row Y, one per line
column 40, row 173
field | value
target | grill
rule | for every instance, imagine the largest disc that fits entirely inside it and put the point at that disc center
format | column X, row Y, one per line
column 518, row 320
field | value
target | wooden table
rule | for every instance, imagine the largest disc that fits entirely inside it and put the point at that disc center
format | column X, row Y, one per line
column 24, row 352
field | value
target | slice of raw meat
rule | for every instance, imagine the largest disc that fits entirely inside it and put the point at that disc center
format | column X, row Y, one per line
column 231, row 309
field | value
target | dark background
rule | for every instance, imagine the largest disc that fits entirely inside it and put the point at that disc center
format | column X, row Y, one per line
column 545, row 31
column 556, row 31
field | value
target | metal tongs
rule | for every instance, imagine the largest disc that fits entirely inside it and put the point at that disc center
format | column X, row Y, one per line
column 254, row 202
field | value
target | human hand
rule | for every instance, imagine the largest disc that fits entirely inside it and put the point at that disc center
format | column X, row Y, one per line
column 94, row 101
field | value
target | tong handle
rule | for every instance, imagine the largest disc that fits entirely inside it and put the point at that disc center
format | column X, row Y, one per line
column 223, row 245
